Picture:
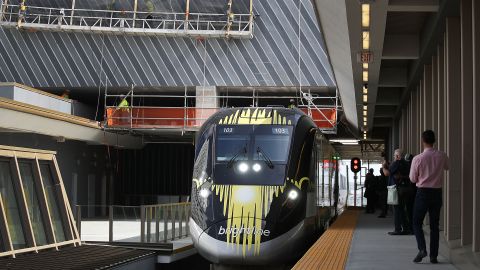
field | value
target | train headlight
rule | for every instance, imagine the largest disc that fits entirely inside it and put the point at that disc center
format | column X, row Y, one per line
column 204, row 193
column 293, row 194
column 256, row 167
column 243, row 167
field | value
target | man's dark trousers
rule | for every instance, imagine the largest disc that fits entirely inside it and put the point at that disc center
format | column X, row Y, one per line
column 427, row 200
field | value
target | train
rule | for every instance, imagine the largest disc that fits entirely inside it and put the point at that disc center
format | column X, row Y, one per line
column 259, row 193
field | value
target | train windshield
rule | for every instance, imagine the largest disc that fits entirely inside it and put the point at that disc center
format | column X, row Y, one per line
column 252, row 154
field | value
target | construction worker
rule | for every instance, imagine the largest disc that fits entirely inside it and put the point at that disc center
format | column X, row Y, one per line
column 22, row 13
column 124, row 105
column 292, row 104
column 66, row 94
column 150, row 8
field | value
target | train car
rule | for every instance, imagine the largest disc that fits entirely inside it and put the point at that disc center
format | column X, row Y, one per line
column 254, row 192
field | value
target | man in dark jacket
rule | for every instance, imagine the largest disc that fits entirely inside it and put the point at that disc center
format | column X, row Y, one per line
column 370, row 191
column 398, row 175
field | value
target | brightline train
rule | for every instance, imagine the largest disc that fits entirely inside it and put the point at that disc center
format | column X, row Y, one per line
column 254, row 194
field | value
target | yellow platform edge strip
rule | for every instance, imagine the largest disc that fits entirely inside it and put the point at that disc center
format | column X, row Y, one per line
column 330, row 252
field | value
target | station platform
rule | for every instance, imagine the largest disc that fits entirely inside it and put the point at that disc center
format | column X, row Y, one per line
column 360, row 241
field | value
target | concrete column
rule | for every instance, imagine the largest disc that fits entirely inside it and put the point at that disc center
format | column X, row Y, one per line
column 454, row 144
column 414, row 122
column 418, row 148
column 427, row 98
column 440, row 99
column 434, row 96
column 206, row 101
column 466, row 122
column 410, row 124
column 476, row 124
column 206, row 97
column 421, row 101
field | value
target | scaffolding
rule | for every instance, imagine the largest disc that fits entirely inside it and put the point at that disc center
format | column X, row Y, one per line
column 127, row 20
column 189, row 117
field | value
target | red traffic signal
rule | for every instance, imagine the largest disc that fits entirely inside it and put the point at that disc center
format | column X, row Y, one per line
column 355, row 165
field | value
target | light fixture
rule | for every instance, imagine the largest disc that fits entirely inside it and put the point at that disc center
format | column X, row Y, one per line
column 365, row 65
column 204, row 193
column 243, row 167
column 365, row 123
column 365, row 107
column 365, row 90
column 364, row 113
column 365, row 15
column 365, row 76
column 256, row 167
column 366, row 40
column 365, row 119
column 293, row 194
column 365, row 98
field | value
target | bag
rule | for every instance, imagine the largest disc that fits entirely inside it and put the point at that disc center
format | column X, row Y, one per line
column 392, row 198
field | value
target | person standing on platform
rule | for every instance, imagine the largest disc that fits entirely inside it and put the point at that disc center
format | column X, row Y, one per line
column 427, row 172
column 397, row 173
column 370, row 192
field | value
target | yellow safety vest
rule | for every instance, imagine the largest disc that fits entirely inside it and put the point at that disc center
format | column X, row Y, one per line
column 124, row 103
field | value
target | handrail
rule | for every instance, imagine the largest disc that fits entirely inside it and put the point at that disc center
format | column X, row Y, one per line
column 206, row 25
column 169, row 221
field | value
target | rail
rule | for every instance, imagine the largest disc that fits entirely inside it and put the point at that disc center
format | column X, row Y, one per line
column 127, row 21
column 158, row 223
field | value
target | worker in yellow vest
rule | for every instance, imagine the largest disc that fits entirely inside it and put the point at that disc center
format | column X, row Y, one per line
column 22, row 13
column 124, row 105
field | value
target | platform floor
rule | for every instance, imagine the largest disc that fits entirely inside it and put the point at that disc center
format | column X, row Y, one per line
column 372, row 248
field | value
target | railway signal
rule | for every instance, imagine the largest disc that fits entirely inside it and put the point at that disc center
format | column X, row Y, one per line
column 355, row 165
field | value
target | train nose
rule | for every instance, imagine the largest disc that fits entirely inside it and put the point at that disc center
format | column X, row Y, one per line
column 224, row 244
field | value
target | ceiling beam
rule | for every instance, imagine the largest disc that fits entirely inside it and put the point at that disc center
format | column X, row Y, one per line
column 393, row 77
column 413, row 5
column 382, row 122
column 401, row 47
column 385, row 111
column 334, row 21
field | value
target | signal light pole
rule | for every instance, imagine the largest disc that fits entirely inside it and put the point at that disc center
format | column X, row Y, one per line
column 355, row 165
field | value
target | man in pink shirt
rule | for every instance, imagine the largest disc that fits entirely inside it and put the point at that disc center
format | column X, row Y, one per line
column 427, row 172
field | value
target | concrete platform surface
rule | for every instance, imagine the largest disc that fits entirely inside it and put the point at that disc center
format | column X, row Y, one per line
column 372, row 248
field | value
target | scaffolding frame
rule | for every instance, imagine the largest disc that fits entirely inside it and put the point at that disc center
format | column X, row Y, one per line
column 193, row 117
column 131, row 22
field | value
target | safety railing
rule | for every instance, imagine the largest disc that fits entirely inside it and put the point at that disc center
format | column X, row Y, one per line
column 127, row 21
column 133, row 224
column 188, row 116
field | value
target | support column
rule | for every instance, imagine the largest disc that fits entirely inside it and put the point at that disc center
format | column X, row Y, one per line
column 206, row 102
column 414, row 121
column 466, row 122
column 434, row 96
column 421, row 113
column 476, row 124
column 454, row 144
column 410, row 124
column 440, row 99
column 427, row 98
column 418, row 148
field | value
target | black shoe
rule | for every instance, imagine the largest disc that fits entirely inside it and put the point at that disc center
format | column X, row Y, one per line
column 421, row 254
column 395, row 233
column 433, row 260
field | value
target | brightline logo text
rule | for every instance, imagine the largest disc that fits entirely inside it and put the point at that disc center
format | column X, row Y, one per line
column 237, row 231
